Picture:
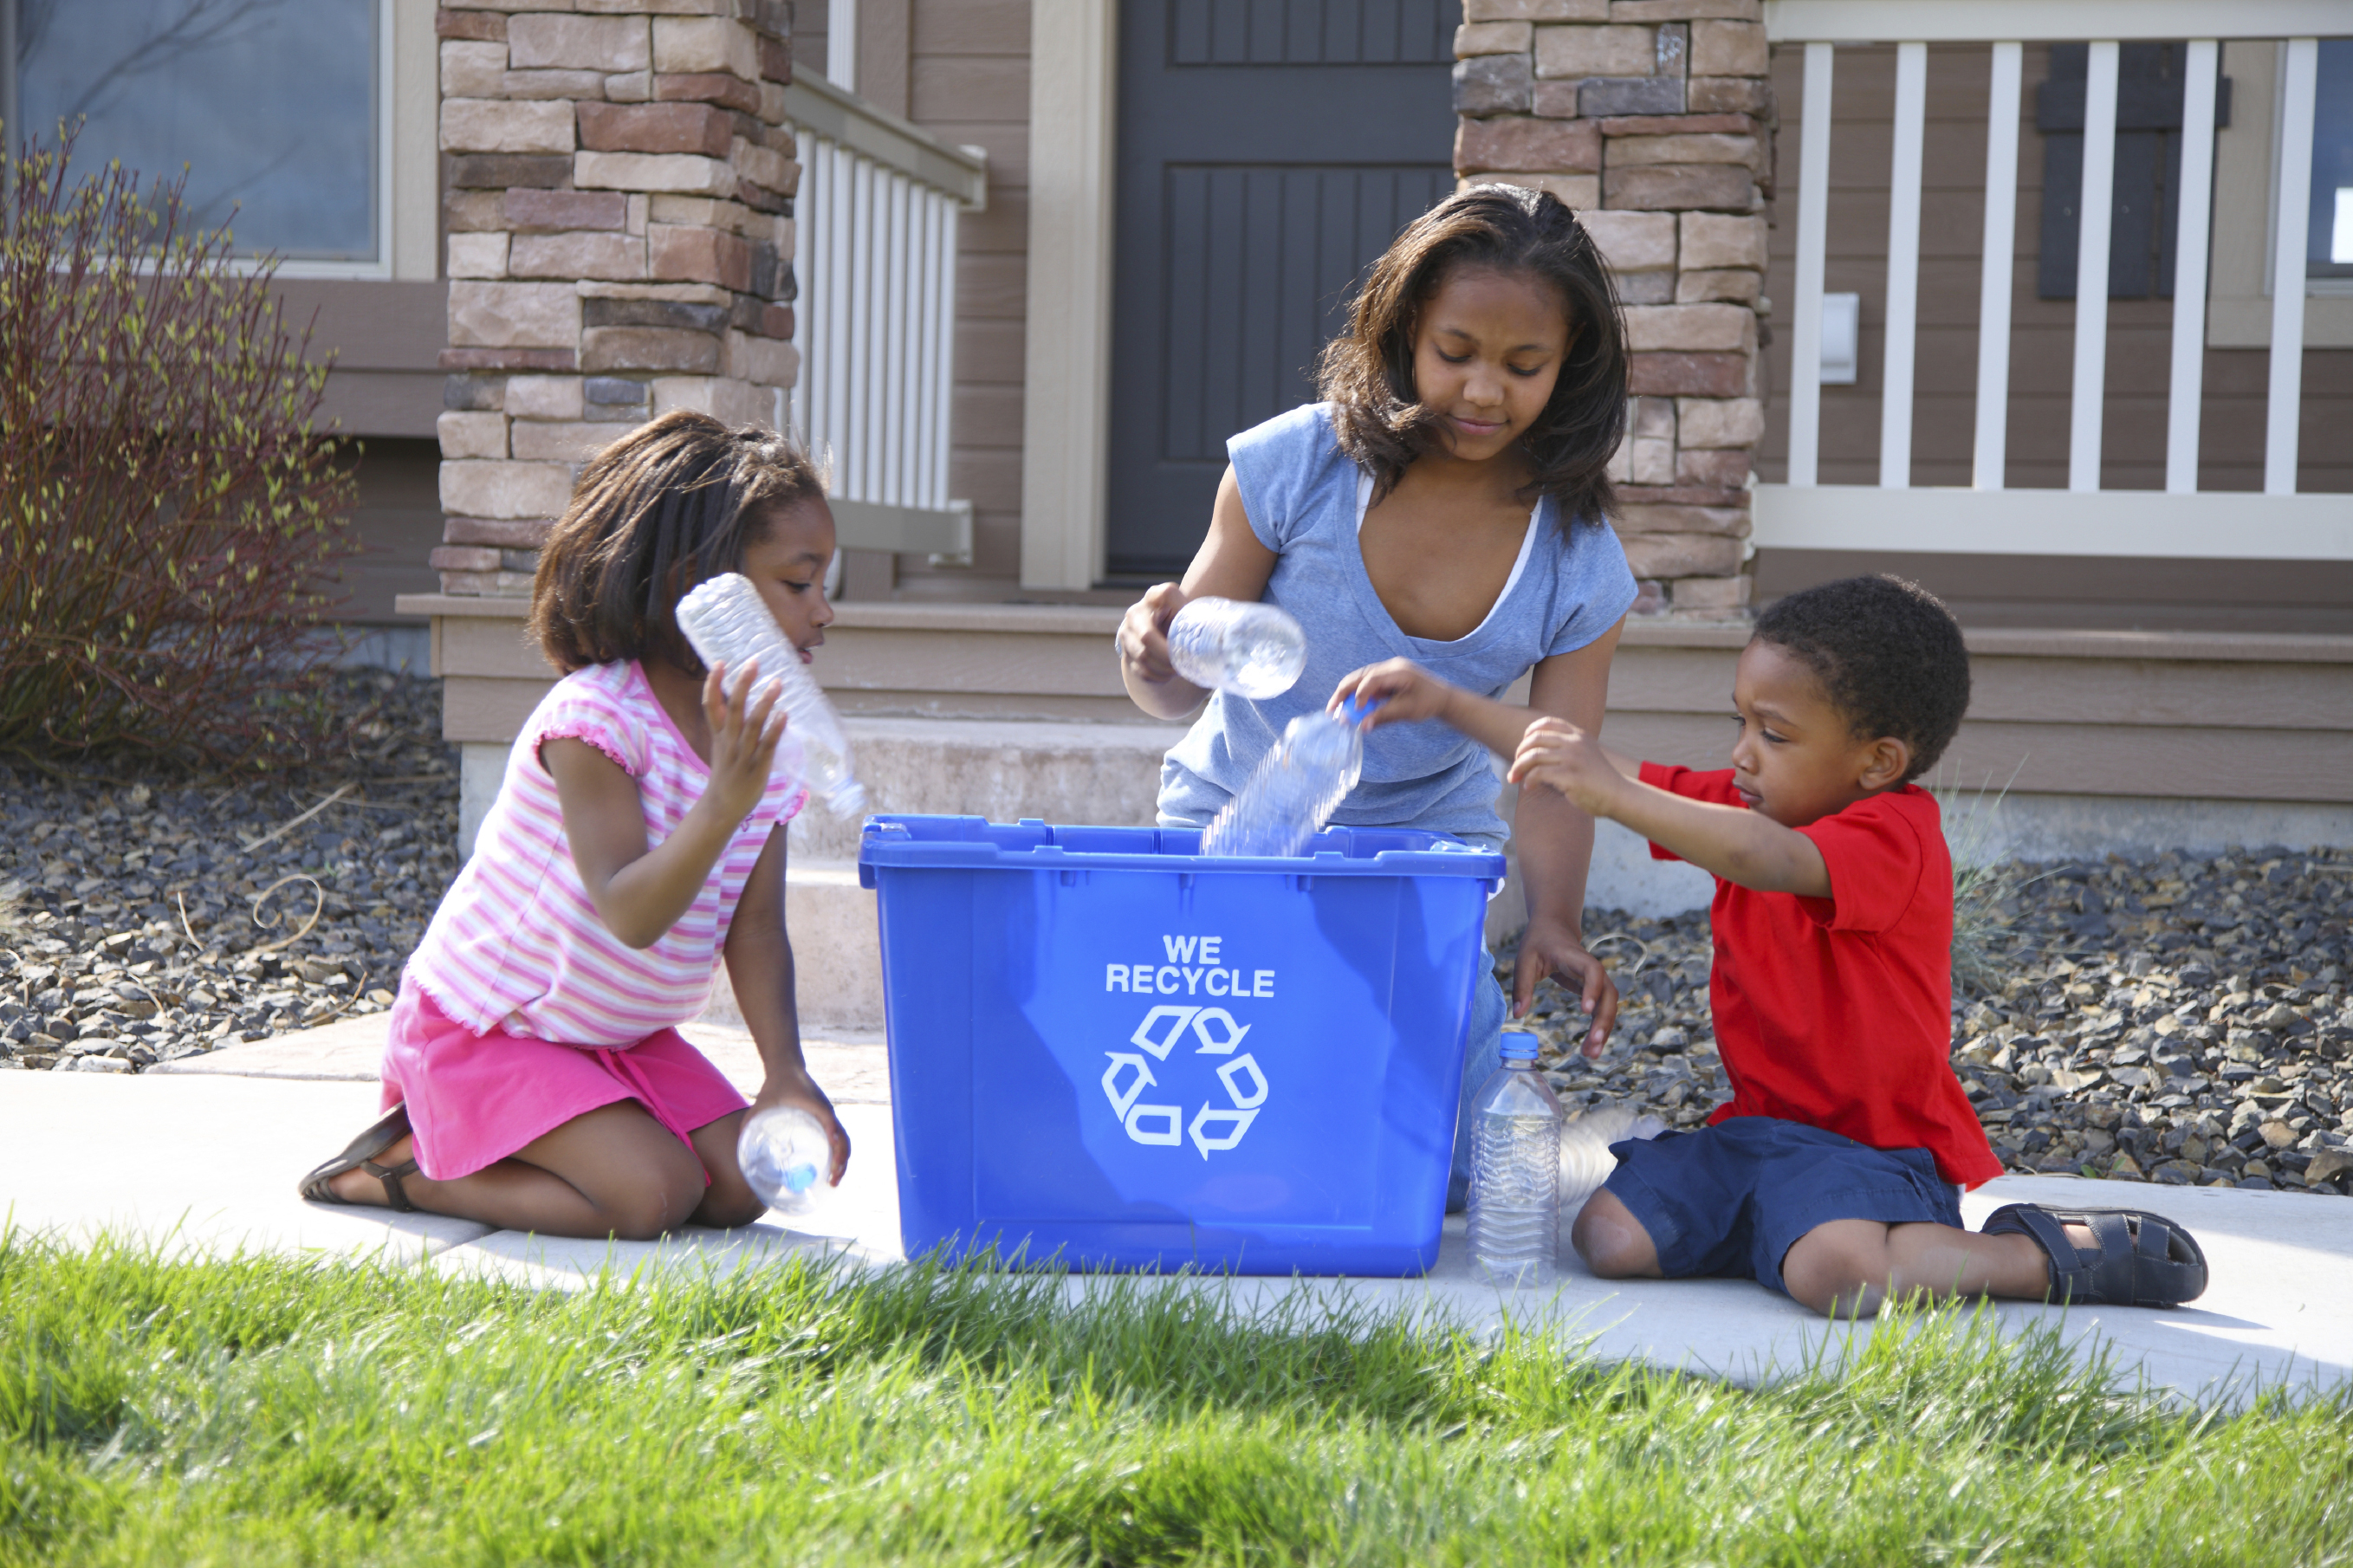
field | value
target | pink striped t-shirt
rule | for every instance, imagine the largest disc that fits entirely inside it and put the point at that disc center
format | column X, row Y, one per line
column 516, row 945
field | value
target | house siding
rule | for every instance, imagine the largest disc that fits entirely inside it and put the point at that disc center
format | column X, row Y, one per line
column 1992, row 590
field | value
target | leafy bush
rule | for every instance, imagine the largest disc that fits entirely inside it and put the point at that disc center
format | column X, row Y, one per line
column 169, row 518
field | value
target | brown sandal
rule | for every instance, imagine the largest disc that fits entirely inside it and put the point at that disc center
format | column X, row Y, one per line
column 361, row 1156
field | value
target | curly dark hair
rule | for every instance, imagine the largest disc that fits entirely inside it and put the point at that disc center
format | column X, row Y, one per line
column 1888, row 654
column 1366, row 371
column 669, row 504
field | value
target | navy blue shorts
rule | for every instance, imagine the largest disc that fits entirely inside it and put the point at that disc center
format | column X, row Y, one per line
column 1733, row 1198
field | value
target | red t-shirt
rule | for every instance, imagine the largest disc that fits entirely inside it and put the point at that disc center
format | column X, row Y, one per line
column 1837, row 1012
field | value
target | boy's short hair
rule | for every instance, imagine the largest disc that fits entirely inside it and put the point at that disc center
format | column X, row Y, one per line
column 1889, row 655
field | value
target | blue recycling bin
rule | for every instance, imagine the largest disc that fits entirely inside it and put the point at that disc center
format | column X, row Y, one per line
column 1111, row 1051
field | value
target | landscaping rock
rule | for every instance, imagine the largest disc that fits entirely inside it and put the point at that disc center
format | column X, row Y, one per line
column 2179, row 1019
column 145, row 915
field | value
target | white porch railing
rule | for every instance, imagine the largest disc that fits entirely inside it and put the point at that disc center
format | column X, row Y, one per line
column 2082, row 519
column 874, row 250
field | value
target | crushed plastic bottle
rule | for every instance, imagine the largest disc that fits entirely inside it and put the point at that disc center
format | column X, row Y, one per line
column 784, row 1154
column 1297, row 787
column 1515, row 1170
column 1585, row 1161
column 728, row 624
column 1231, row 645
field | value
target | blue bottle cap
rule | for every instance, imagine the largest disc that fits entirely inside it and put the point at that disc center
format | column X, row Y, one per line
column 1520, row 1044
column 1353, row 708
column 800, row 1178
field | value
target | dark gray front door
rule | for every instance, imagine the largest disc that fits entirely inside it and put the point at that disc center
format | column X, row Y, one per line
column 1267, row 151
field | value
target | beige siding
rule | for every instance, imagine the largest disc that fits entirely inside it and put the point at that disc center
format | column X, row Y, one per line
column 1993, row 590
column 399, row 521
column 384, row 340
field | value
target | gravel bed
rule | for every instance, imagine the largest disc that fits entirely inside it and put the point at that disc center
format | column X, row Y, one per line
column 147, row 915
column 2180, row 1020
column 2177, row 1019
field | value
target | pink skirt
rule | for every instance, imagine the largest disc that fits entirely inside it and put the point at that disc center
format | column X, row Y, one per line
column 473, row 1099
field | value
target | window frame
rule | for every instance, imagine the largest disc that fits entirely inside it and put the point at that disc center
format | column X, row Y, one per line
column 2325, row 285
column 379, row 266
column 2244, row 238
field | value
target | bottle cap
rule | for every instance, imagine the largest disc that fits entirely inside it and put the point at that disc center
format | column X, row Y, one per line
column 1354, row 710
column 1520, row 1044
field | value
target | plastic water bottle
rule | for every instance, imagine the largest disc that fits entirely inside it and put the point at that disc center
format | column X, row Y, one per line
column 1516, row 1169
column 784, row 1154
column 1297, row 787
column 728, row 624
column 1585, row 1161
column 1253, row 651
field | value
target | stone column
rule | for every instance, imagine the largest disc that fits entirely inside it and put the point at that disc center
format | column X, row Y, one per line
column 616, row 190
column 1654, row 119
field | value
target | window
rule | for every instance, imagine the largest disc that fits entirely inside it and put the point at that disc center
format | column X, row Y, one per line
column 2145, row 198
column 2330, row 239
column 273, row 106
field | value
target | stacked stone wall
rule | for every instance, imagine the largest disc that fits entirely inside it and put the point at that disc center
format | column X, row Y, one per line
column 617, row 180
column 1654, row 119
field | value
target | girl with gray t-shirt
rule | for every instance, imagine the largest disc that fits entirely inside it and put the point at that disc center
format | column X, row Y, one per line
column 1443, row 504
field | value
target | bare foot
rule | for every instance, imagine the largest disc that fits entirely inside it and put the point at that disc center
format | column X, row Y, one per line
column 356, row 1186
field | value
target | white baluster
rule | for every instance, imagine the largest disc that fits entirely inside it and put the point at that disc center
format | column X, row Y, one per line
column 841, row 302
column 2190, row 265
column 2093, row 212
column 2284, row 405
column 1814, row 217
column 1902, row 265
column 1996, row 268
column 866, row 361
column 923, row 237
column 905, row 324
column 942, row 365
column 804, row 384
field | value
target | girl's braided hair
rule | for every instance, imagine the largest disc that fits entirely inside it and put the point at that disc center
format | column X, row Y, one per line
column 1366, row 372
column 669, row 504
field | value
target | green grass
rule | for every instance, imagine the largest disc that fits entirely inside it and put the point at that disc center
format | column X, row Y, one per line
column 258, row 1411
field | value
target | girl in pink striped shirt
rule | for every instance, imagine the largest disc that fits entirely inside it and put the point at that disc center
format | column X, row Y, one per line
column 535, row 1077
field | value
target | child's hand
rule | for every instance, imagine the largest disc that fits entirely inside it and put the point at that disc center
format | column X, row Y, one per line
column 1556, row 753
column 1402, row 688
column 744, row 729
column 802, row 1093
column 1143, row 632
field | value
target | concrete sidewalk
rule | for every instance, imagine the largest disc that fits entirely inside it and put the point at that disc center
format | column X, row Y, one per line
column 205, row 1160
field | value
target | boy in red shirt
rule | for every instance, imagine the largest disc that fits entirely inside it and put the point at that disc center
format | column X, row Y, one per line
column 1834, row 1174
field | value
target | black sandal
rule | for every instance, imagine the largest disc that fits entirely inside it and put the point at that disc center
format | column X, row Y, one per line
column 361, row 1156
column 2144, row 1259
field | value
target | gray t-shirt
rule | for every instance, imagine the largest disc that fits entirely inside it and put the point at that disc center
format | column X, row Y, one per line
column 1302, row 492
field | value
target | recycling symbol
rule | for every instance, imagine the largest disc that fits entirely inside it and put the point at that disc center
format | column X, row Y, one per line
column 1212, row 1127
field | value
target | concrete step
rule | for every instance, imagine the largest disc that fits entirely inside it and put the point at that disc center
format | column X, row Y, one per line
column 1106, row 774
column 837, row 953
column 1002, row 769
